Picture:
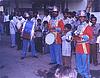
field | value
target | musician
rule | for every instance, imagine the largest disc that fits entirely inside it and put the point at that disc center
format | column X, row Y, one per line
column 55, row 26
column 28, row 36
column 84, row 35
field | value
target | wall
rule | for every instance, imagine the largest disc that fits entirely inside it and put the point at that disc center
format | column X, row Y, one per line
column 25, row 5
column 77, row 5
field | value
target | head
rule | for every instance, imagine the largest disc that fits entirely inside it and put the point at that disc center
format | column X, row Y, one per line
column 82, row 16
column 11, row 18
column 46, row 12
column 65, row 14
column 39, row 21
column 62, row 72
column 31, row 13
column 55, row 12
column 26, row 15
column 69, row 14
column 35, row 13
column 73, row 14
column 99, row 32
column 68, row 27
column 19, row 13
column 93, row 20
column 6, row 13
column 92, row 15
column 45, row 23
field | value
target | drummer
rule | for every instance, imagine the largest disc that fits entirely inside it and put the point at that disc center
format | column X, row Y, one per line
column 84, row 34
column 55, row 26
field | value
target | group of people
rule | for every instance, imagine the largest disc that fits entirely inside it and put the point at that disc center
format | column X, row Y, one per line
column 72, row 31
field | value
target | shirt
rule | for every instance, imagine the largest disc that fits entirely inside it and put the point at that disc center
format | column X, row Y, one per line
column 6, row 18
column 95, row 30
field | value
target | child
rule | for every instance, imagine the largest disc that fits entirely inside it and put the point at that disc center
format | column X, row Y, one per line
column 66, row 46
column 98, row 42
column 45, row 32
column 38, row 36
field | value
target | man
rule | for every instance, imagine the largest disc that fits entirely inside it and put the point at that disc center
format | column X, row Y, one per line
column 6, row 23
column 28, row 36
column 93, row 45
column 84, row 35
column 46, row 17
column 56, row 26
column 19, row 24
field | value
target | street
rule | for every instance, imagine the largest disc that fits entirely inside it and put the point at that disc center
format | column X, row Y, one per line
column 11, row 66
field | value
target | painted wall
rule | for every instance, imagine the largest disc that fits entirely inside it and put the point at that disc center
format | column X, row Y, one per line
column 77, row 5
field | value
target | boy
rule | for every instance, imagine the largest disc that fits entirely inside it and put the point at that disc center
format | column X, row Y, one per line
column 66, row 46
column 38, row 36
column 45, row 32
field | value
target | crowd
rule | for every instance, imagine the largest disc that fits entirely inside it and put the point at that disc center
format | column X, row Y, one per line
column 73, row 33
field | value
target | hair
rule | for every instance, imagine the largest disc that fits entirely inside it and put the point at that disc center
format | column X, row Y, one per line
column 64, row 72
column 94, row 18
column 39, row 20
column 68, row 26
column 10, row 17
column 99, row 31
column 45, row 22
column 65, row 11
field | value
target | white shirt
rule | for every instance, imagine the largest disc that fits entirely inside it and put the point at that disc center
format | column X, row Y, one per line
column 12, row 27
column 6, row 18
column 46, row 18
column 20, row 22
column 66, row 46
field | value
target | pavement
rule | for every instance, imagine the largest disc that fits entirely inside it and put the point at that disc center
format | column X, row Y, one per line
column 11, row 66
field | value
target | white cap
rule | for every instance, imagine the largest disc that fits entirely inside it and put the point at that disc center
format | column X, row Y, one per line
column 26, row 14
column 55, row 8
column 82, row 13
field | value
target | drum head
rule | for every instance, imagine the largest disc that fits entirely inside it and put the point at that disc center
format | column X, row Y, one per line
column 50, row 38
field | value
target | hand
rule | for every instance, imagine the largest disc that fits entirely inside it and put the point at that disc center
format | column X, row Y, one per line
column 85, row 38
column 58, row 29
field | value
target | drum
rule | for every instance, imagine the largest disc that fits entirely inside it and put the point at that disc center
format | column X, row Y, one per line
column 50, row 38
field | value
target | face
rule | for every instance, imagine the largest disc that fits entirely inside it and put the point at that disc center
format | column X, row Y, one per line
column 65, row 15
column 39, row 22
column 69, row 15
column 93, row 21
column 66, row 29
column 82, row 18
column 55, row 13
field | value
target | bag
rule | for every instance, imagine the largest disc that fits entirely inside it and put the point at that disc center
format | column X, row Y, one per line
column 27, row 30
column 26, row 35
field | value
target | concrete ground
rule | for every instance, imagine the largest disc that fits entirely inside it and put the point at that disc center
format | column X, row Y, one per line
column 11, row 66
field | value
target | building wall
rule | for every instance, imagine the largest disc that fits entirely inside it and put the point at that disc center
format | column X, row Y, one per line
column 77, row 5
column 25, row 5
column 73, row 5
